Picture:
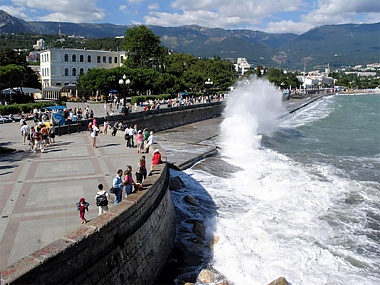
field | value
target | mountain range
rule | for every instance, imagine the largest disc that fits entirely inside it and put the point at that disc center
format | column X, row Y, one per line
column 336, row 45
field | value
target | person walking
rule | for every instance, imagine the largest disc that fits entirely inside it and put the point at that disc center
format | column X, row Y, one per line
column 94, row 134
column 37, row 136
column 82, row 207
column 139, row 142
column 145, row 137
column 117, row 186
column 101, row 199
column 52, row 134
column 25, row 131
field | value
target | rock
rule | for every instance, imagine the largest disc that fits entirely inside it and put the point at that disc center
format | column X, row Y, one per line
column 279, row 281
column 199, row 229
column 206, row 276
column 191, row 200
column 176, row 183
column 213, row 242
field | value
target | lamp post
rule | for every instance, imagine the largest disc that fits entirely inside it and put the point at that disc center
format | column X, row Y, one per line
column 124, row 84
column 208, row 84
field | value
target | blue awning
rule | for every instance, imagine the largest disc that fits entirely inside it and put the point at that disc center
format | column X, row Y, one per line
column 53, row 108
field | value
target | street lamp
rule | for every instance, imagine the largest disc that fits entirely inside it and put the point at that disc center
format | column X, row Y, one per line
column 208, row 84
column 124, row 84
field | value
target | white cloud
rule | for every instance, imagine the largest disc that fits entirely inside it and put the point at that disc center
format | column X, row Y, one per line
column 343, row 11
column 277, row 16
column 15, row 12
column 65, row 10
column 287, row 27
column 221, row 13
column 154, row 6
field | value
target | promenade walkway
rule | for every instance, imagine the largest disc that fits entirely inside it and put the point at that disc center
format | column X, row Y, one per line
column 39, row 190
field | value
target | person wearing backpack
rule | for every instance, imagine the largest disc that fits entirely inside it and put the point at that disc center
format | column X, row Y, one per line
column 101, row 199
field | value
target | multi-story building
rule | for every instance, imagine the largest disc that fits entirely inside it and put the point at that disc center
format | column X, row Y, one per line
column 60, row 67
column 242, row 65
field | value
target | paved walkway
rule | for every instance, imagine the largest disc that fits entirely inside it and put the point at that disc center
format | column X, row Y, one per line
column 39, row 190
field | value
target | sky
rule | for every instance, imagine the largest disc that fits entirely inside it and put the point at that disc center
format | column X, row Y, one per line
column 272, row 16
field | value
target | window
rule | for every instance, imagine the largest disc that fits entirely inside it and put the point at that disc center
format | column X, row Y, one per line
column 115, row 59
column 66, row 71
column 74, row 73
column 110, row 59
column 74, row 58
column 81, row 71
column 66, row 57
column 89, row 58
column 104, row 59
column 81, row 58
column 98, row 59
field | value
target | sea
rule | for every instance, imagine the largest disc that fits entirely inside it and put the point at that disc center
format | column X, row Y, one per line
column 296, row 196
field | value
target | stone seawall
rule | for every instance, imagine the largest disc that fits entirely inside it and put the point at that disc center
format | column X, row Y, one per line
column 157, row 120
column 127, row 245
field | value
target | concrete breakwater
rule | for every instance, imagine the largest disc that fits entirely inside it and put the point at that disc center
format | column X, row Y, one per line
column 131, row 242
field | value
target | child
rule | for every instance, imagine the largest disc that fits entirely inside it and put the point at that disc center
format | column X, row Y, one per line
column 82, row 206
column 102, row 199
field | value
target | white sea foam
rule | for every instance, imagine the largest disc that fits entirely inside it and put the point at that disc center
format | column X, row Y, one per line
column 277, row 217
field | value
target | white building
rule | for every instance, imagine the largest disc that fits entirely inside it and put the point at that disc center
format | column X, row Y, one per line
column 315, row 80
column 40, row 45
column 242, row 65
column 60, row 67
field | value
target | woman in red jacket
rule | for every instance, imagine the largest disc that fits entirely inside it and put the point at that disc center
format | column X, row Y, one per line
column 156, row 158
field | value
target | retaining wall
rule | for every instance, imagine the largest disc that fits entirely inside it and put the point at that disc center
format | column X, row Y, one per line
column 156, row 120
column 127, row 245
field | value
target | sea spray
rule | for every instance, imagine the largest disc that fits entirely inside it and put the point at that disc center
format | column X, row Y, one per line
column 252, row 108
column 281, row 217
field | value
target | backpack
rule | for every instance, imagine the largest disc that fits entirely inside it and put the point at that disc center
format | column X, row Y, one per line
column 101, row 200
column 86, row 204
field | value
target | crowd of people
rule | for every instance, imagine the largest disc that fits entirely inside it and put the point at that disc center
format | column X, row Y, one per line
column 41, row 133
column 124, row 182
column 37, row 137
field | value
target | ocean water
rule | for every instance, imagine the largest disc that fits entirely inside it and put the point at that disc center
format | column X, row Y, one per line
column 297, row 197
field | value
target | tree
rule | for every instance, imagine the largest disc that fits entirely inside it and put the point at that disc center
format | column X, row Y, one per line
column 15, row 71
column 143, row 47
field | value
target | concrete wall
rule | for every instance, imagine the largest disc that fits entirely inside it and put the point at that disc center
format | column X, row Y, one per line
column 127, row 245
column 156, row 120
column 131, row 242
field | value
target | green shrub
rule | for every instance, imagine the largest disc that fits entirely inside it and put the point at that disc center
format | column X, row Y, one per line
column 26, row 108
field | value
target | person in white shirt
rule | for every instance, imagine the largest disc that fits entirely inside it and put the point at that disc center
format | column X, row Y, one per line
column 151, row 140
column 94, row 134
column 101, row 199
column 25, row 130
